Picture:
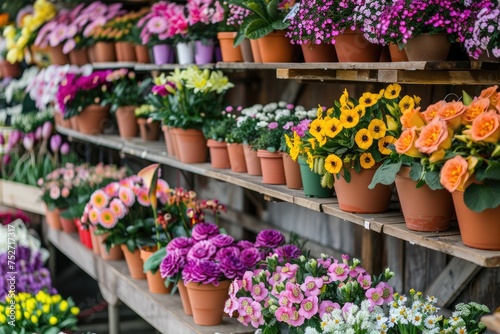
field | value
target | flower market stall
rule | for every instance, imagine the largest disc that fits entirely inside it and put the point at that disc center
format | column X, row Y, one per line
column 214, row 185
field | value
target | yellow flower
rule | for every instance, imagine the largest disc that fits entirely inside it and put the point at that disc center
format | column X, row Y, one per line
column 361, row 110
column 333, row 127
column 406, row 103
column 366, row 160
column 317, row 128
column 74, row 310
column 63, row 306
column 392, row 125
column 368, row 99
column 364, row 139
column 333, row 164
column 3, row 319
column 18, row 315
column 329, row 111
column 46, row 308
column 344, row 100
column 56, row 298
column 377, row 128
column 34, row 319
column 349, row 118
column 27, row 315
column 319, row 112
column 417, row 99
column 383, row 143
column 53, row 320
column 392, row 91
column 310, row 160
column 312, row 141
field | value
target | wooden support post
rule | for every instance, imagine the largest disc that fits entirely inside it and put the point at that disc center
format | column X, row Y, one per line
column 371, row 251
column 395, row 250
column 114, row 319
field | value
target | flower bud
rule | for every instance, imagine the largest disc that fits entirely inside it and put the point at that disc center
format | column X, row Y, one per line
column 15, row 137
column 65, row 149
column 47, row 130
column 55, row 142
column 2, row 140
column 28, row 143
column 273, row 308
column 6, row 159
column 38, row 133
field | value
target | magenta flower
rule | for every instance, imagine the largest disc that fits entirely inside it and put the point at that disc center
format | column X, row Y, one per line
column 203, row 249
column 387, row 292
column 259, row 292
column 312, row 286
column 327, row 306
column 231, row 266
column 183, row 244
column 338, row 271
column 295, row 294
column 250, row 257
column 222, row 240
column 273, row 125
column 365, row 281
column 288, row 252
column 172, row 263
column 203, row 231
column 375, row 296
column 243, row 303
column 288, row 270
column 253, row 310
column 309, row 307
column 284, row 314
column 202, row 271
column 243, row 244
column 269, row 239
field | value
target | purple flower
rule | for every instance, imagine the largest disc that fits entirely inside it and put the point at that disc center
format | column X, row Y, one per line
column 269, row 239
column 227, row 251
column 65, row 149
column 159, row 90
column 47, row 130
column 203, row 271
column 288, row 252
column 231, row 266
column 250, row 257
column 55, row 142
column 183, row 244
column 222, row 240
column 203, row 249
column 242, row 244
column 172, row 263
column 204, row 231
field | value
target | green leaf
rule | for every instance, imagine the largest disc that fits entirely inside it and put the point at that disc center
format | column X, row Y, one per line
column 258, row 28
column 385, row 174
column 52, row 330
column 131, row 245
column 492, row 171
column 416, row 171
column 467, row 99
column 280, row 25
column 432, row 180
column 479, row 197
column 153, row 262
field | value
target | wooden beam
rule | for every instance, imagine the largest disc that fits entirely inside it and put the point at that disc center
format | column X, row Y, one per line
column 395, row 250
column 371, row 251
column 452, row 281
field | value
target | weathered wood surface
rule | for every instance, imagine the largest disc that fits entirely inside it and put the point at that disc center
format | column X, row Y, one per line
column 164, row 312
column 21, row 196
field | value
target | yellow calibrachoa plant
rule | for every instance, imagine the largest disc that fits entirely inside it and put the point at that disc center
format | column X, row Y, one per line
column 18, row 38
column 353, row 134
column 37, row 313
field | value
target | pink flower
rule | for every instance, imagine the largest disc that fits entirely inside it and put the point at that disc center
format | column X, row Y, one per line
column 276, row 278
column 112, row 189
column 55, row 192
column 253, row 310
column 272, row 125
column 257, row 321
column 234, row 287
column 284, row 314
column 157, row 25
column 309, row 307
column 295, row 294
column 347, row 307
column 99, row 199
column 65, row 192
column 57, row 35
column 243, row 303
column 127, row 196
column 284, row 298
column 327, row 306
column 387, row 291
column 365, row 281
column 259, row 292
column 118, row 208
column 296, row 320
column 107, row 218
column 312, row 286
column 230, row 306
column 374, row 296
column 338, row 271
column 143, row 197
column 69, row 46
column 246, row 282
column 245, row 320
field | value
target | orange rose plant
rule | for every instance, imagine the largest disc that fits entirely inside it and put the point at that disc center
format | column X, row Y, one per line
column 454, row 145
column 354, row 134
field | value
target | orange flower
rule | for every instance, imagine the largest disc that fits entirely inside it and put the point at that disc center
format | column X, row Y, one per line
column 454, row 173
column 405, row 144
column 412, row 118
column 476, row 107
column 99, row 199
column 434, row 136
column 431, row 111
column 485, row 127
column 366, row 160
column 107, row 218
column 452, row 112
column 488, row 92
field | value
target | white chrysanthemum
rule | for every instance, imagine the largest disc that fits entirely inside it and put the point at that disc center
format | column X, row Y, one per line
column 416, row 319
column 310, row 330
column 431, row 322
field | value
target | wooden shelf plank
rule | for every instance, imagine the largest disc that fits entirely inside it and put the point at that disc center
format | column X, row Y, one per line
column 164, row 312
column 21, row 196
column 391, row 223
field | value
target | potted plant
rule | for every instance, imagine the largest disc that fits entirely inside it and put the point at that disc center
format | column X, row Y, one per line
column 479, row 41
column 124, row 95
column 227, row 30
column 186, row 103
column 80, row 96
column 149, row 129
column 266, row 23
column 289, row 293
column 215, row 131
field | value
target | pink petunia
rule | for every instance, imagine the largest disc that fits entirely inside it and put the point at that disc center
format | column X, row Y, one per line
column 327, row 306
column 312, row 286
column 309, row 307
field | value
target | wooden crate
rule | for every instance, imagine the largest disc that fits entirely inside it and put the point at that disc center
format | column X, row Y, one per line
column 21, row 196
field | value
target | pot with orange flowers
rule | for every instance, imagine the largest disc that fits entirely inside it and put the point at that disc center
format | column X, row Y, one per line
column 346, row 143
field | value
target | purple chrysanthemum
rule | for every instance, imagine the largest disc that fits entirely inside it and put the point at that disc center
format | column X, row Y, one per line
column 232, row 267
column 203, row 249
column 250, row 257
column 202, row 271
column 227, row 251
column 181, row 243
column 222, row 240
column 172, row 263
column 243, row 244
column 204, row 231
column 288, row 252
column 269, row 239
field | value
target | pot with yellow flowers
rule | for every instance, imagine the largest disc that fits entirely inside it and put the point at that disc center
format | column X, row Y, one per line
column 347, row 143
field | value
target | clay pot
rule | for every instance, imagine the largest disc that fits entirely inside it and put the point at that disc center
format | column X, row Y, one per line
column 292, row 172
column 148, row 131
column 186, row 303
column 252, row 161
column 271, row 163
column 254, row 43
column 79, row 57
column 170, row 141
column 68, row 225
column 352, row 46
column 134, row 262
column 276, row 48
column 57, row 57
column 142, row 54
column 396, row 54
column 127, row 122
column 115, row 252
column 125, row 52
column 319, row 53
column 96, row 248
column 229, row 52
column 219, row 157
column 191, row 145
column 8, row 70
column 236, row 157
column 52, row 218
column 156, row 284
column 92, row 119
column 104, row 52
column 74, row 123
column 428, row 48
column 207, row 302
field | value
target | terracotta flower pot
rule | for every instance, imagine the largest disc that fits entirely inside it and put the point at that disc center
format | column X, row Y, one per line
column 125, row 52
column 52, row 218
column 156, row 284
column 142, row 54
column 396, row 54
column 191, row 145
column 148, row 131
column 254, row 43
column 96, row 248
column 186, row 303
column 207, row 302
column 104, row 52
column 229, row 52
column 236, row 157
column 357, row 197
column 219, row 157
column 92, row 119
column 79, row 57
column 424, row 209
column 252, row 161
column 60, row 121
column 478, row 229
column 276, row 48
column 352, row 46
column 319, row 53
column 115, row 252
column 57, row 57
column 428, row 48
column 170, row 141
column 74, row 123
column 292, row 172
column 134, row 262
column 271, row 163
column 8, row 70
column 68, row 225
column 127, row 122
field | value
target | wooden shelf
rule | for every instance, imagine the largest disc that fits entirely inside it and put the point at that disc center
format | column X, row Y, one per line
column 390, row 223
column 164, row 312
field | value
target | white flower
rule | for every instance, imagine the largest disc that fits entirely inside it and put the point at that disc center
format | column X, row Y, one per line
column 310, row 330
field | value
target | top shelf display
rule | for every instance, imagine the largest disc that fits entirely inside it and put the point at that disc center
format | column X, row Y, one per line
column 419, row 72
